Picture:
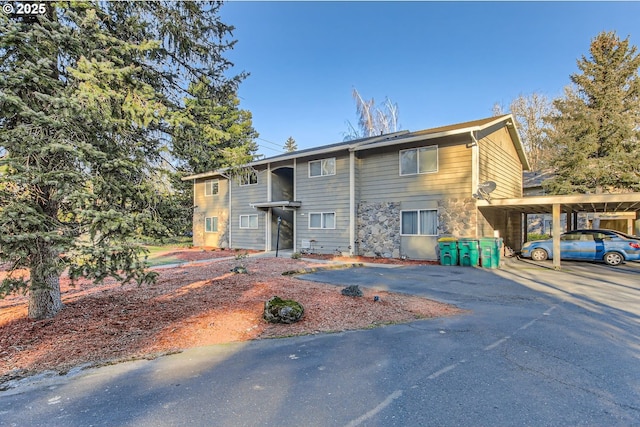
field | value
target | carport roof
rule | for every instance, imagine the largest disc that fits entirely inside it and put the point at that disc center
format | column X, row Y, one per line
column 624, row 202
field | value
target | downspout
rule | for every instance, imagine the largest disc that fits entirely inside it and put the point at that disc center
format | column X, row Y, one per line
column 268, row 214
column 295, row 211
column 230, row 221
column 193, row 214
column 475, row 172
column 352, row 203
column 230, row 227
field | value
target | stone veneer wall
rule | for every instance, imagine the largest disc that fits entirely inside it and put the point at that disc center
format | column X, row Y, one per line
column 457, row 217
column 378, row 226
column 223, row 231
column 200, row 237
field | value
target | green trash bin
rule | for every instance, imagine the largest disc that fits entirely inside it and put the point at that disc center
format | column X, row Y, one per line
column 469, row 252
column 448, row 250
column 490, row 252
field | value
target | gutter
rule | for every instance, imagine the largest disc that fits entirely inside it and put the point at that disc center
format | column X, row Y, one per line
column 416, row 138
column 303, row 153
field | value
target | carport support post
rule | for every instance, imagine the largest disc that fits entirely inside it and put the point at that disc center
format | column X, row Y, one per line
column 555, row 221
column 570, row 224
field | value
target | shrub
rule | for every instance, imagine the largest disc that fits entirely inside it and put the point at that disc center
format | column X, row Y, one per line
column 537, row 236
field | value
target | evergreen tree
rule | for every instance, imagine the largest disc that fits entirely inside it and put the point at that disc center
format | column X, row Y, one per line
column 290, row 145
column 90, row 93
column 211, row 132
column 596, row 126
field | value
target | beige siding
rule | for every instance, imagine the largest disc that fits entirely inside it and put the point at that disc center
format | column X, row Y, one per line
column 324, row 194
column 380, row 179
column 377, row 181
column 499, row 162
column 210, row 206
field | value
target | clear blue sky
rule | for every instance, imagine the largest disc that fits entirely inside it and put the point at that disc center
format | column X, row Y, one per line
column 441, row 62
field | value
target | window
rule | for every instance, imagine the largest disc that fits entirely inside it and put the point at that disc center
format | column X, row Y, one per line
column 419, row 160
column 249, row 178
column 211, row 224
column 322, row 220
column 322, row 167
column 248, row 221
column 211, row 187
column 419, row 222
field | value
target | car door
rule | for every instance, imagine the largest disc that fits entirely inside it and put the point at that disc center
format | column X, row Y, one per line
column 578, row 246
column 587, row 246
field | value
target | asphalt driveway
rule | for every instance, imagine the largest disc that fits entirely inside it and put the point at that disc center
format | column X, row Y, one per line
column 537, row 348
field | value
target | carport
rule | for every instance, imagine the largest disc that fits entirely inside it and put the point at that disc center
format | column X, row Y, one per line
column 571, row 205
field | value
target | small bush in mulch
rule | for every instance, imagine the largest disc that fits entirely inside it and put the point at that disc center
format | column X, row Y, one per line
column 278, row 310
column 352, row 291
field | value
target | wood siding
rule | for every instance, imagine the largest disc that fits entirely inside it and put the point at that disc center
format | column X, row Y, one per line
column 499, row 162
column 508, row 224
column 243, row 196
column 377, row 180
column 324, row 194
column 210, row 206
column 380, row 180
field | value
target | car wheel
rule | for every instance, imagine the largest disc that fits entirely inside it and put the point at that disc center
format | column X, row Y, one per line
column 613, row 258
column 539, row 255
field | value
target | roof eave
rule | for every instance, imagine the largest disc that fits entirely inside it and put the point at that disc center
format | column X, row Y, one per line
column 409, row 138
column 517, row 142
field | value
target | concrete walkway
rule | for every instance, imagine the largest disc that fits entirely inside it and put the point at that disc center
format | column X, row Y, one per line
column 286, row 253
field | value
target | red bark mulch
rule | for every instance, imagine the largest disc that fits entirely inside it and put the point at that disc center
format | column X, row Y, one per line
column 191, row 305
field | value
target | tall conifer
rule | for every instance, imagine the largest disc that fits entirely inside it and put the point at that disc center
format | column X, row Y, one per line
column 90, row 93
column 597, row 125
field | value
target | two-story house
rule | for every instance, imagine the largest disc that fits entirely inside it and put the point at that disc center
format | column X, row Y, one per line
column 392, row 195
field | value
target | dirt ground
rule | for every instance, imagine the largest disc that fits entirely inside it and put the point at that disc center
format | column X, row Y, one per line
column 191, row 305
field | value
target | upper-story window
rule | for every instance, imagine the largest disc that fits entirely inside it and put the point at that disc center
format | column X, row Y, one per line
column 211, row 187
column 419, row 160
column 322, row 167
column 249, row 178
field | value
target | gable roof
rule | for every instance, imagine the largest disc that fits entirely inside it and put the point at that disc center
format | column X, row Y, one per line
column 398, row 138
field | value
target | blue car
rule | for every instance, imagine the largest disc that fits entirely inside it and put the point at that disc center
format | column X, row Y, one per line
column 609, row 246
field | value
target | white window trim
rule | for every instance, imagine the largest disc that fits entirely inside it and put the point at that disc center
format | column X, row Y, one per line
column 205, row 224
column 249, row 221
column 417, row 150
column 241, row 184
column 322, row 214
column 206, row 186
column 419, row 231
column 335, row 166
